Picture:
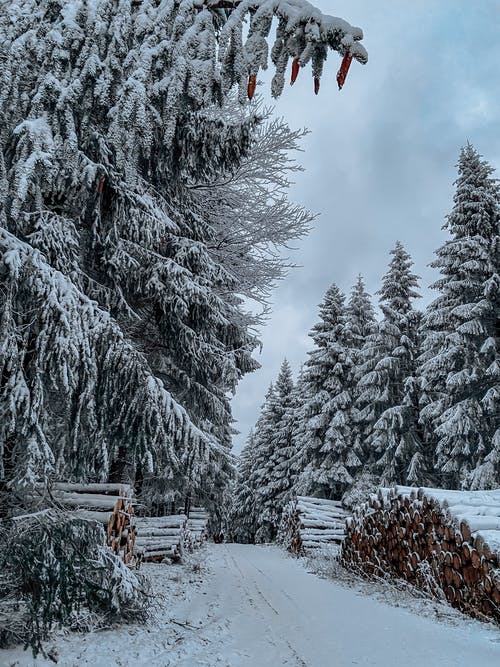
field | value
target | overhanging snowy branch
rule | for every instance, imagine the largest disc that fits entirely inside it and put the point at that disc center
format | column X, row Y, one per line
column 303, row 34
column 121, row 400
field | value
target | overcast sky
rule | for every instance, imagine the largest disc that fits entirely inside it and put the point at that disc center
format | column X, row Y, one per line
column 380, row 158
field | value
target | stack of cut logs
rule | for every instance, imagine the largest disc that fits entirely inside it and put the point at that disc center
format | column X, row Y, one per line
column 312, row 523
column 161, row 537
column 169, row 536
column 197, row 527
column 109, row 504
column 442, row 541
column 133, row 538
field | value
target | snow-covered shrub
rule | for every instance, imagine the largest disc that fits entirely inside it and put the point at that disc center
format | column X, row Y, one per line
column 55, row 570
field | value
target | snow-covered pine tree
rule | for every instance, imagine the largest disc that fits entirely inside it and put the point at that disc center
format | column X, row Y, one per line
column 325, row 440
column 265, row 479
column 270, row 435
column 243, row 519
column 387, row 415
column 360, row 315
column 361, row 323
column 280, row 477
column 253, row 476
column 460, row 364
column 106, row 128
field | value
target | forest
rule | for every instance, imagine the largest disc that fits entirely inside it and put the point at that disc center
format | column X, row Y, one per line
column 145, row 205
column 410, row 398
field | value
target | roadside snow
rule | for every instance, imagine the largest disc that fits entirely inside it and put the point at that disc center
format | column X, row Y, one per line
column 257, row 606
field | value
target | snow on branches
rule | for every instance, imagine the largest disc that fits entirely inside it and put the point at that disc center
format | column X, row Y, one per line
column 74, row 390
column 119, row 165
column 303, row 34
column 460, row 360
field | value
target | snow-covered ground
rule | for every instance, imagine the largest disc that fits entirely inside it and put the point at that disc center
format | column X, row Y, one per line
column 257, row 606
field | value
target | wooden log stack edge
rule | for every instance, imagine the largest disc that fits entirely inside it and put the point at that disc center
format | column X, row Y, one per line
column 161, row 537
column 312, row 523
column 197, row 526
column 110, row 504
column 172, row 535
column 443, row 542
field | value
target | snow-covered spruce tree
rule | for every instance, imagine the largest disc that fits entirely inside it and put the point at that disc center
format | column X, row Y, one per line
column 386, row 397
column 265, row 478
column 361, row 323
column 65, row 361
column 460, row 364
column 104, row 123
column 360, row 316
column 271, row 446
column 325, row 440
column 243, row 520
column 275, row 494
column 252, row 470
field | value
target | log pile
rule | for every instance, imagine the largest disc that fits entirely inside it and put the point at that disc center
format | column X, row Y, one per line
column 444, row 542
column 161, row 537
column 197, row 526
column 312, row 523
column 133, row 538
column 109, row 504
column 169, row 536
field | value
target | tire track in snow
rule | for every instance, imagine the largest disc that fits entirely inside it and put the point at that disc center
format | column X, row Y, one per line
column 273, row 583
column 300, row 662
column 259, row 592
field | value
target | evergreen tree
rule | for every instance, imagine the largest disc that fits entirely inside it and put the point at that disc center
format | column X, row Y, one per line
column 325, row 438
column 243, row 521
column 110, row 122
column 361, row 323
column 272, row 449
column 280, row 478
column 387, row 414
column 257, row 476
column 460, row 366
column 360, row 315
column 265, row 477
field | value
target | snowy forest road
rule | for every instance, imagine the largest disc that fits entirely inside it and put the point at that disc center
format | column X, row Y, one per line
column 278, row 614
column 257, row 606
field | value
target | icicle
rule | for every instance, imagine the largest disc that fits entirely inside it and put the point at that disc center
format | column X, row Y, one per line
column 344, row 69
